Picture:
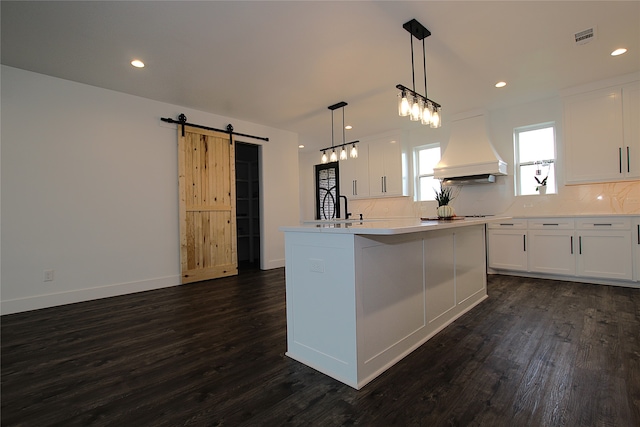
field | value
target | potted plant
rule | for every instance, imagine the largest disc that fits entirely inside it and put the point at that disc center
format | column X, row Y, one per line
column 542, row 184
column 443, row 197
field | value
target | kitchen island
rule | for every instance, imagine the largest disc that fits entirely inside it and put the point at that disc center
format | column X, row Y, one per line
column 361, row 295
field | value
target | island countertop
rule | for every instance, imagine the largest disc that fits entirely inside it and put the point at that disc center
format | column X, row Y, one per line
column 388, row 226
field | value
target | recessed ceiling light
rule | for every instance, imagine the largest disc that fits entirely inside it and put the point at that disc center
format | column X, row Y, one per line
column 501, row 84
column 301, row 146
column 137, row 63
column 348, row 127
column 618, row 52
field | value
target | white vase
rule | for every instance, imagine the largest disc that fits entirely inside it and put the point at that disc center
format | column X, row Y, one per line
column 542, row 189
column 445, row 211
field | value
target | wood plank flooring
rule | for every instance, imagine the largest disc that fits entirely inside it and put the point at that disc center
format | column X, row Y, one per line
column 536, row 353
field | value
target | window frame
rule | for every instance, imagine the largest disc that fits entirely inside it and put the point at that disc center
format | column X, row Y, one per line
column 516, row 153
column 416, row 169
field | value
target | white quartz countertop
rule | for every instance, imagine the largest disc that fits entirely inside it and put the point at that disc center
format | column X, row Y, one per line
column 388, row 226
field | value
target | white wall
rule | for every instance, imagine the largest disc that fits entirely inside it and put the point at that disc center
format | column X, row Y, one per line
column 497, row 198
column 89, row 189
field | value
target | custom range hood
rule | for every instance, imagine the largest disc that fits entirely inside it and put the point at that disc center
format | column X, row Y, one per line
column 469, row 157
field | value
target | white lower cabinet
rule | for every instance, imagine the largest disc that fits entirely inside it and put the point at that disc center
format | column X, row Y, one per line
column 598, row 247
column 551, row 246
column 604, row 248
column 507, row 245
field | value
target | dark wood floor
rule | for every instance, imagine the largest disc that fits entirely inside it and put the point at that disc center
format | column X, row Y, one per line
column 536, row 353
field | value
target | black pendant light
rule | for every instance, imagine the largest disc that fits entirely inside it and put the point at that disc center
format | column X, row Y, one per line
column 411, row 103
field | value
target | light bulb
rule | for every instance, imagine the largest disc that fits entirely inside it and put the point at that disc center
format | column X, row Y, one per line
column 324, row 157
column 435, row 118
column 334, row 156
column 426, row 113
column 354, row 152
column 343, row 154
column 416, row 109
column 403, row 104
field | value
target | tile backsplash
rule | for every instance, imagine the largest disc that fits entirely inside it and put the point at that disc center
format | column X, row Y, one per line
column 619, row 198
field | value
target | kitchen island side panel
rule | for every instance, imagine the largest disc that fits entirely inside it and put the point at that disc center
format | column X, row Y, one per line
column 321, row 318
column 390, row 298
column 410, row 287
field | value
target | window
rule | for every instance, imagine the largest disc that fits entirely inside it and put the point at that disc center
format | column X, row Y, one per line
column 425, row 158
column 535, row 152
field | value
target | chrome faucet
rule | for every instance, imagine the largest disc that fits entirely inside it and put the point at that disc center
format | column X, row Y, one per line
column 347, row 214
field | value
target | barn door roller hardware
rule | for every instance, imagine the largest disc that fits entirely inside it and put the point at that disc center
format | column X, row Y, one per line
column 182, row 120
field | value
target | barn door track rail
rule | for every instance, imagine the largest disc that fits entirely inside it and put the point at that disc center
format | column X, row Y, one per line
column 182, row 120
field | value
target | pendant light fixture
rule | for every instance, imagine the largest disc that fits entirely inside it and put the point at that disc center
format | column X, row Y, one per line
column 411, row 103
column 353, row 153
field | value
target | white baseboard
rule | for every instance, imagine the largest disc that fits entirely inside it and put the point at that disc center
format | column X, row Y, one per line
column 274, row 263
column 79, row 295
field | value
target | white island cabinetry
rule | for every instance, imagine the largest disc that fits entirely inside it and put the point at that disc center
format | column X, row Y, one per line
column 359, row 300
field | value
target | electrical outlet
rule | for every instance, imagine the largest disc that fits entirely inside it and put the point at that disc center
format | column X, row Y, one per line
column 48, row 275
column 316, row 265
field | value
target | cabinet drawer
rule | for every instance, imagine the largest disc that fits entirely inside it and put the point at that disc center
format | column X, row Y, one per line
column 551, row 224
column 511, row 224
column 604, row 223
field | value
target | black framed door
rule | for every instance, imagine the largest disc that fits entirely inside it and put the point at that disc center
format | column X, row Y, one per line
column 327, row 191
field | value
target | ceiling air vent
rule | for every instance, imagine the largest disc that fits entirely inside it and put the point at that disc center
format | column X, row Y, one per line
column 585, row 36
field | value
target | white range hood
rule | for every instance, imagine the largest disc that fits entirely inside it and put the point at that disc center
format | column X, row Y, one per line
column 469, row 156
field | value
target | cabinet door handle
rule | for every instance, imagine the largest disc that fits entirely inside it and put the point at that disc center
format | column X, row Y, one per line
column 639, row 234
column 580, row 245
column 504, row 223
column 385, row 183
column 571, row 245
column 620, row 157
column 524, row 242
column 382, row 183
column 628, row 160
column 549, row 224
column 602, row 225
column 354, row 188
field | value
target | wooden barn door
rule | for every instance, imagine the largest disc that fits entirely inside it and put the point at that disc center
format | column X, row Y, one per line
column 206, row 175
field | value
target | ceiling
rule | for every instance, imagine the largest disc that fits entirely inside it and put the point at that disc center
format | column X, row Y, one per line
column 281, row 64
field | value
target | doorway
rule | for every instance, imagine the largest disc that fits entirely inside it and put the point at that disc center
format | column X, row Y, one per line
column 248, row 206
column 327, row 191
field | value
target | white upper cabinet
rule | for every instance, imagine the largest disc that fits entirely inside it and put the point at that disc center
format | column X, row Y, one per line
column 631, row 123
column 354, row 174
column 602, row 142
column 385, row 168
